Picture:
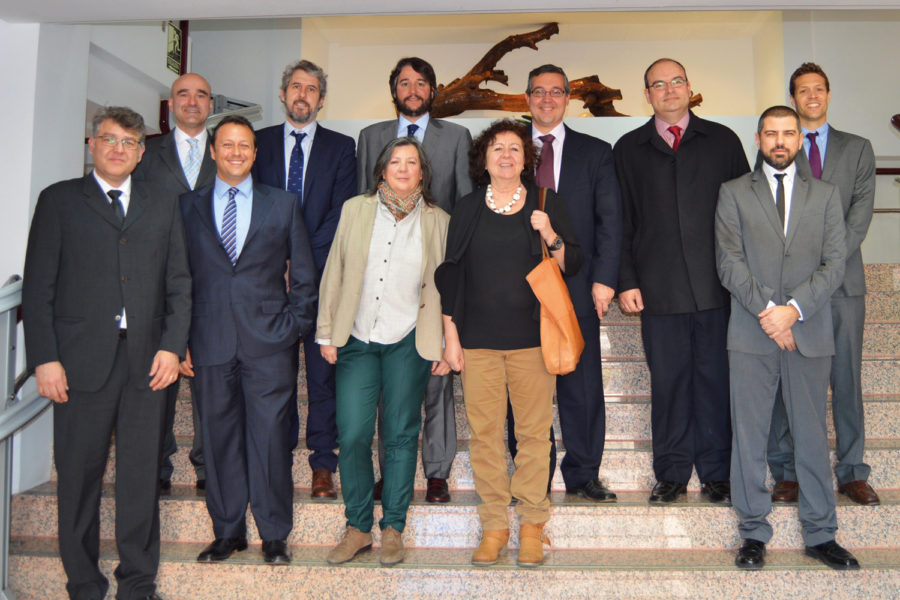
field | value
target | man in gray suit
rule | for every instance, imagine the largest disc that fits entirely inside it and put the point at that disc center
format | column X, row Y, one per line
column 413, row 84
column 780, row 252
column 847, row 161
column 106, row 305
column 175, row 164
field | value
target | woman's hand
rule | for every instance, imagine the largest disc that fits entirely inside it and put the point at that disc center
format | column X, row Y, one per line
column 453, row 356
column 440, row 367
column 540, row 222
column 329, row 353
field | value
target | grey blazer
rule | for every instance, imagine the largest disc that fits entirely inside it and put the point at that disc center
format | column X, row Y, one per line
column 758, row 263
column 850, row 165
column 447, row 146
column 161, row 167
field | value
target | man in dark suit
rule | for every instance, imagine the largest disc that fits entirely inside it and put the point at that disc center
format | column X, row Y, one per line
column 242, row 237
column 176, row 163
column 582, row 170
column 319, row 165
column 780, row 251
column 413, row 85
column 847, row 161
column 106, row 305
column 669, row 173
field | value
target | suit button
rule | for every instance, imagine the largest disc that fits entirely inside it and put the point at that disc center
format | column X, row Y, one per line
column 421, row 306
column 124, row 279
column 122, row 241
column 423, row 286
column 118, row 317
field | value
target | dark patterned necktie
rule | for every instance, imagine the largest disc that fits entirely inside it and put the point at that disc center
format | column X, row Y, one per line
column 229, row 226
column 779, row 197
column 544, row 176
column 295, row 172
column 815, row 158
column 116, row 204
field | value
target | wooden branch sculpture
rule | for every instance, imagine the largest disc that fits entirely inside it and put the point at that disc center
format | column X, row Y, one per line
column 466, row 93
column 895, row 120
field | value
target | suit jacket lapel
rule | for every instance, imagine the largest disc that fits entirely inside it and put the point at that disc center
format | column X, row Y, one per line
column 432, row 139
column 98, row 201
column 314, row 164
column 764, row 196
column 427, row 225
column 570, row 156
column 137, row 204
column 203, row 204
column 262, row 203
column 834, row 148
column 169, row 153
column 798, row 203
column 207, row 168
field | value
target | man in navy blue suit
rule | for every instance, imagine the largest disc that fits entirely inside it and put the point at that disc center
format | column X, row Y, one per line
column 319, row 165
column 581, row 169
column 245, row 327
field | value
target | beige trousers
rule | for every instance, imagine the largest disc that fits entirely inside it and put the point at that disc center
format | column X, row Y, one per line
column 487, row 376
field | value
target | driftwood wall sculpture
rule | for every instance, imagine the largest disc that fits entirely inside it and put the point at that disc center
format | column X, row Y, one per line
column 466, row 92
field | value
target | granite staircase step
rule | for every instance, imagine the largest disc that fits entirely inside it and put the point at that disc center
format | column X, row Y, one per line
column 629, row 523
column 441, row 574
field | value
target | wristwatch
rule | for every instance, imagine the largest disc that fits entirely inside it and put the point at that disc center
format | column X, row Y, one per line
column 556, row 245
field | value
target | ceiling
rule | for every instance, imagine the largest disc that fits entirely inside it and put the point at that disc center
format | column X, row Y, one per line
column 106, row 11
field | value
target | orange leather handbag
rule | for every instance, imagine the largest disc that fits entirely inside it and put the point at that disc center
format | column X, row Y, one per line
column 561, row 340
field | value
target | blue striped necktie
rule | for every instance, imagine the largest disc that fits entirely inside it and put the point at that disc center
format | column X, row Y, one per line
column 229, row 226
column 192, row 168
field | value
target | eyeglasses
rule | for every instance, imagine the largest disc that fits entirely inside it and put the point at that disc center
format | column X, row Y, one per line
column 111, row 142
column 554, row 93
column 661, row 85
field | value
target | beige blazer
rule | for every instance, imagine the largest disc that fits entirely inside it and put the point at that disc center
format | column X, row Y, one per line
column 342, row 279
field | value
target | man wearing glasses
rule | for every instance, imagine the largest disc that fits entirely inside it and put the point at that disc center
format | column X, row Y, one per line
column 670, row 170
column 106, row 305
column 581, row 169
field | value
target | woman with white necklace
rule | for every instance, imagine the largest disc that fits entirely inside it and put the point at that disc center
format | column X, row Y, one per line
column 492, row 331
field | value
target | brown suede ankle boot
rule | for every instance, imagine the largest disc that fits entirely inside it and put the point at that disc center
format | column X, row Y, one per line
column 493, row 542
column 531, row 544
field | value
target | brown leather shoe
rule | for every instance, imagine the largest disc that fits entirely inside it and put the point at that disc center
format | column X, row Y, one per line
column 437, row 490
column 322, row 485
column 860, row 492
column 785, row 491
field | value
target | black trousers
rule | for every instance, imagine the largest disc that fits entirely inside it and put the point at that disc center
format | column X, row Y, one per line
column 82, row 428
column 689, row 410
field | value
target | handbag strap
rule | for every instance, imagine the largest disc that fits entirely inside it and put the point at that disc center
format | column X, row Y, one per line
column 542, row 200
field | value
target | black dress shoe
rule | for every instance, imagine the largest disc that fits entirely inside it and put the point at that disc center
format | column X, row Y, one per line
column 831, row 554
column 165, row 486
column 751, row 556
column 666, row 492
column 376, row 491
column 594, row 490
column 716, row 491
column 201, row 484
column 275, row 552
column 222, row 548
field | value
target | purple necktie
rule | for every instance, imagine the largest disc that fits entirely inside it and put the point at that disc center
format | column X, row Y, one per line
column 544, row 175
column 815, row 159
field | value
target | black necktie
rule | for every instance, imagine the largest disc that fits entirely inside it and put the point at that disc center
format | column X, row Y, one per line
column 779, row 197
column 116, row 204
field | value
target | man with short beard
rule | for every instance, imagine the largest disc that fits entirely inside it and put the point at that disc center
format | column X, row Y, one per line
column 413, row 85
column 319, row 166
column 780, row 251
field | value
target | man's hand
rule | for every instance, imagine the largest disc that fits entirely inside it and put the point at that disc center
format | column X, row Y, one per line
column 631, row 301
column 329, row 353
column 186, row 367
column 778, row 319
column 785, row 340
column 164, row 371
column 439, row 367
column 52, row 382
column 602, row 295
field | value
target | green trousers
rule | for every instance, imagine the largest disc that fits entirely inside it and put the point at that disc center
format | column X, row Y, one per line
column 364, row 373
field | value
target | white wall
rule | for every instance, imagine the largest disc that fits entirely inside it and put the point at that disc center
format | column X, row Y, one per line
column 244, row 59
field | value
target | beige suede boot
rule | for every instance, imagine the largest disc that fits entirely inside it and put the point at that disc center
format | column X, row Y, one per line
column 531, row 541
column 493, row 542
column 392, row 550
column 352, row 543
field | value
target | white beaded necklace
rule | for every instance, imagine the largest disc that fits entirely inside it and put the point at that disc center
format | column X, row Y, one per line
column 489, row 196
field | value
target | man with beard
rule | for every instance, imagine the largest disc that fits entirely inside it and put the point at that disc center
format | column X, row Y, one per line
column 780, row 251
column 413, row 85
column 847, row 161
column 319, row 166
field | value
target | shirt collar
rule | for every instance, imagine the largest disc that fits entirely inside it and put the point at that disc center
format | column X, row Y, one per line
column 245, row 187
column 770, row 172
column 181, row 136
column 822, row 131
column 309, row 129
column 558, row 133
column 662, row 127
column 403, row 122
column 125, row 188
